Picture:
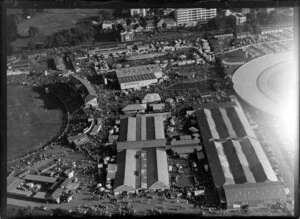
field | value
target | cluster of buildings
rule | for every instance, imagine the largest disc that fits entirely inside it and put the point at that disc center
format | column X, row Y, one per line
column 41, row 188
column 241, row 172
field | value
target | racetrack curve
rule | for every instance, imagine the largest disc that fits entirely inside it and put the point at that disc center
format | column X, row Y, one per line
column 256, row 82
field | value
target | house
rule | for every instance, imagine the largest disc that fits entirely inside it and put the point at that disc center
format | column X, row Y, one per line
column 78, row 139
column 169, row 23
column 107, row 25
column 242, row 35
column 138, row 28
column 69, row 173
column 151, row 98
column 112, row 138
column 126, row 36
column 150, row 26
column 111, row 171
column 157, row 106
column 135, row 108
column 179, row 98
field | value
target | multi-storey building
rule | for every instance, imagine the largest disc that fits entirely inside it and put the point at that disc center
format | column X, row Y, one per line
column 138, row 11
column 239, row 18
column 186, row 16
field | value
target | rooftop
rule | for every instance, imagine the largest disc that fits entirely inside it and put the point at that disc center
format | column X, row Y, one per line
column 38, row 178
column 141, row 128
column 234, row 154
column 135, row 107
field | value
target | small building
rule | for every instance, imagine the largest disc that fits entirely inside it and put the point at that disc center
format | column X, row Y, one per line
column 91, row 101
column 138, row 28
column 38, row 178
column 40, row 196
column 242, row 35
column 78, row 139
column 135, row 108
column 151, row 98
column 126, row 36
column 108, row 25
column 157, row 106
column 240, row 19
column 150, row 26
column 69, row 173
column 179, row 98
column 170, row 23
column 113, row 138
column 138, row 76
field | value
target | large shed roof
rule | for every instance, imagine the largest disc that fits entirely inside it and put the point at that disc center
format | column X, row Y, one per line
column 142, row 128
column 38, row 178
column 138, row 70
column 234, row 154
column 254, row 192
column 141, row 169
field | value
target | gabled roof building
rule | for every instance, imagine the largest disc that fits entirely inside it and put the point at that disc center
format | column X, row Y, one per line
column 235, row 156
column 141, row 169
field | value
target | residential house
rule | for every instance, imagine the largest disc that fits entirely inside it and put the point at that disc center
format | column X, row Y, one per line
column 150, row 26
column 170, row 23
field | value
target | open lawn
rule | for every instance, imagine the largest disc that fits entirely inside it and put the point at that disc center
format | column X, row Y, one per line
column 54, row 20
column 203, row 86
column 235, row 56
column 49, row 22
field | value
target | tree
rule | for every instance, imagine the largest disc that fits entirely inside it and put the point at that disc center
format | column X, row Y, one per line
column 31, row 44
column 60, row 40
column 273, row 17
column 11, row 29
column 33, row 31
column 230, row 21
column 164, row 25
column 248, row 28
column 262, row 17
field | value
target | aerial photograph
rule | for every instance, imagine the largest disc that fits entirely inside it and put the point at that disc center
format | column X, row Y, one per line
column 151, row 111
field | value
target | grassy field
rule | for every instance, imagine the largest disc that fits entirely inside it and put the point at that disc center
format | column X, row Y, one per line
column 29, row 124
column 235, row 56
column 51, row 21
column 203, row 86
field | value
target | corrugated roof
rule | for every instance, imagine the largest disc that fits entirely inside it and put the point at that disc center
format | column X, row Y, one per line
column 158, row 106
column 254, row 192
column 143, row 77
column 151, row 97
column 240, row 158
column 141, row 144
column 129, row 177
column 132, row 107
column 12, row 186
column 40, row 195
column 151, row 164
column 77, row 137
column 38, row 178
column 138, row 70
column 142, row 128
